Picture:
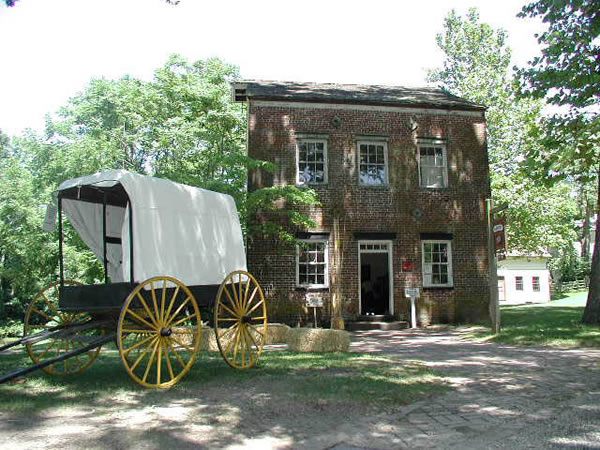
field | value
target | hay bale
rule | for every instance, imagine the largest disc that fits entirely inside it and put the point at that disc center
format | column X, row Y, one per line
column 318, row 340
column 209, row 340
column 277, row 333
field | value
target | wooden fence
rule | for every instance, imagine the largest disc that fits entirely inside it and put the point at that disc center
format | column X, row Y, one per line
column 577, row 285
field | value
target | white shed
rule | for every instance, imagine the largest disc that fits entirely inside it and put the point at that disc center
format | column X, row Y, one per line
column 524, row 279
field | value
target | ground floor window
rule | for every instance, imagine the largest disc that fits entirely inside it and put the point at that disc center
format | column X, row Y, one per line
column 312, row 263
column 535, row 281
column 519, row 283
column 437, row 263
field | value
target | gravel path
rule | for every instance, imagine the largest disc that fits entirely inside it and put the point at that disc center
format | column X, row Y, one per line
column 505, row 397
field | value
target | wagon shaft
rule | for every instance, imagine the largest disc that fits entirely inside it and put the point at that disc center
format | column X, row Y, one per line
column 101, row 340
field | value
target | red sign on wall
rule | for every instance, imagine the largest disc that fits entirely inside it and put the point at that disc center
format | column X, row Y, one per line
column 408, row 265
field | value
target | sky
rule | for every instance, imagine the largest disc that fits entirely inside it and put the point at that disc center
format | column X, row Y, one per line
column 51, row 49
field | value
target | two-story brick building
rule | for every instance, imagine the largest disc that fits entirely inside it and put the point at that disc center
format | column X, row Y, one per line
column 402, row 176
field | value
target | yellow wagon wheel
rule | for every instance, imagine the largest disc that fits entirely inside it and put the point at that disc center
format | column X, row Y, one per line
column 240, row 320
column 43, row 314
column 159, row 332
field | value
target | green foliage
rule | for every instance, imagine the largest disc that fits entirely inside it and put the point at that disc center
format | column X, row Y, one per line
column 182, row 125
column 566, row 74
column 476, row 67
column 539, row 217
column 274, row 211
column 567, row 70
column 571, row 266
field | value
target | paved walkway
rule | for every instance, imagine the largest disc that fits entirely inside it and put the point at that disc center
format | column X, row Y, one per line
column 505, row 397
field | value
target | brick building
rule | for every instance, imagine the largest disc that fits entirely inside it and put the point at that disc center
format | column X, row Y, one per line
column 402, row 176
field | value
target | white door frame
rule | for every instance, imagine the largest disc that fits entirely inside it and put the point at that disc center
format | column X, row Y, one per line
column 389, row 250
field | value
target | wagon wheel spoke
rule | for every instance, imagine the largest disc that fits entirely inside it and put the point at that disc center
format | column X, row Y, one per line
column 42, row 313
column 159, row 338
column 240, row 342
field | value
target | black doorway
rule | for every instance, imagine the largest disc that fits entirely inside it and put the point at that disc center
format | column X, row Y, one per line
column 374, row 283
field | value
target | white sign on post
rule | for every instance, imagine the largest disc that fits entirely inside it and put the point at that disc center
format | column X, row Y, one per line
column 413, row 293
column 314, row 302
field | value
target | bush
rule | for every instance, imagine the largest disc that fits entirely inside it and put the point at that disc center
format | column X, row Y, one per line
column 11, row 328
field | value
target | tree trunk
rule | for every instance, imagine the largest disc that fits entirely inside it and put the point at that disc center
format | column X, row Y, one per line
column 591, row 314
column 588, row 213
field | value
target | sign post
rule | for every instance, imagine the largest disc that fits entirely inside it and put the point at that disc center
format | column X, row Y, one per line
column 413, row 294
column 314, row 302
column 496, row 241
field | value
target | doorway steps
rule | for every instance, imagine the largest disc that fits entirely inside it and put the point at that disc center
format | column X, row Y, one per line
column 379, row 322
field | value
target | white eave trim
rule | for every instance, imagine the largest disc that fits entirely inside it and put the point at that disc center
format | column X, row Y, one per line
column 357, row 107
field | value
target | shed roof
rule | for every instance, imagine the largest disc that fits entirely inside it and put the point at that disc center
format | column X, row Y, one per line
column 349, row 93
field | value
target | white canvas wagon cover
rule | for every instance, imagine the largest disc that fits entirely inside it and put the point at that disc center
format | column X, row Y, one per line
column 189, row 233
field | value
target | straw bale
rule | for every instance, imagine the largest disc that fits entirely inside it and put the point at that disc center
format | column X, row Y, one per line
column 277, row 333
column 319, row 340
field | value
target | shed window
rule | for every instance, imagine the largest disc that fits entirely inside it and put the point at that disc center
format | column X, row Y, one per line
column 519, row 283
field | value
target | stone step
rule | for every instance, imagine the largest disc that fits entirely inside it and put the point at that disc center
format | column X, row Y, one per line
column 368, row 325
column 376, row 318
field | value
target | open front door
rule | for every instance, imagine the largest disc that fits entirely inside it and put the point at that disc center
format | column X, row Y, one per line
column 375, row 278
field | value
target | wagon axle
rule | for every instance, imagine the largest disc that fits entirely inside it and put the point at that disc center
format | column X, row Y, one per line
column 164, row 332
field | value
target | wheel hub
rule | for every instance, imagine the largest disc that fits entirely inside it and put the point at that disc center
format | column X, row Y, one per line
column 245, row 319
column 164, row 332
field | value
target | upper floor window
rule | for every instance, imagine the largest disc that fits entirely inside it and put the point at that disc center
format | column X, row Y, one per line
column 312, row 162
column 437, row 263
column 312, row 263
column 373, row 163
column 433, row 167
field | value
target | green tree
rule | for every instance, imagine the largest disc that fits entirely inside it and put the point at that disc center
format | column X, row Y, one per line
column 476, row 67
column 182, row 125
column 566, row 74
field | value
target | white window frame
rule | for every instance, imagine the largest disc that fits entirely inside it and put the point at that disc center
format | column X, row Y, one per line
column 536, row 287
column 299, row 142
column 385, row 158
column 433, row 143
column 326, row 256
column 519, row 283
column 427, row 283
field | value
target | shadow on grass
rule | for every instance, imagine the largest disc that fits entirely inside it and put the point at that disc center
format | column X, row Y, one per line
column 342, row 378
column 543, row 325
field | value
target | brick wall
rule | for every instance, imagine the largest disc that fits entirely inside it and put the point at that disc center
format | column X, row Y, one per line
column 458, row 209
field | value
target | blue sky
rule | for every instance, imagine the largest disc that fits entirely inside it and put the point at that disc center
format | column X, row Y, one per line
column 51, row 48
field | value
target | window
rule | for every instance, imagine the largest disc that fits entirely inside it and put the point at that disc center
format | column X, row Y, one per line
column 519, row 283
column 433, row 169
column 535, row 282
column 437, row 263
column 373, row 163
column 312, row 264
column 312, row 162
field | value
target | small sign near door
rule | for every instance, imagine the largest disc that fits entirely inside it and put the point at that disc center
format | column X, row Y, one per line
column 412, row 292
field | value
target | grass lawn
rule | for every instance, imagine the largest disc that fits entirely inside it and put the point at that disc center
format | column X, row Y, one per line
column 557, row 323
column 346, row 380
